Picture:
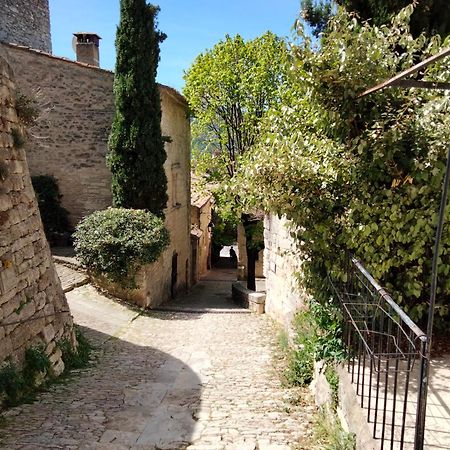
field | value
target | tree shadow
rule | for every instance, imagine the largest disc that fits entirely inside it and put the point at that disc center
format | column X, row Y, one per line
column 132, row 396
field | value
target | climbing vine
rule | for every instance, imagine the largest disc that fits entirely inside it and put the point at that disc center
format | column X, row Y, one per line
column 354, row 174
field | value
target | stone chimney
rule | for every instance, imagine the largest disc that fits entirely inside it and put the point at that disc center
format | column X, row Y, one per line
column 87, row 48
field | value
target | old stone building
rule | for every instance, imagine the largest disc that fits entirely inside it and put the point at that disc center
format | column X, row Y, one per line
column 33, row 308
column 201, row 216
column 70, row 142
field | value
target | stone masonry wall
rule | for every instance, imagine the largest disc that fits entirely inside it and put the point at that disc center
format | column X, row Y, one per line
column 70, row 143
column 33, row 308
column 26, row 22
column 281, row 264
column 155, row 281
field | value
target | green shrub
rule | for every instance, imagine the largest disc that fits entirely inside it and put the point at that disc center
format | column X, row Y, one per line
column 116, row 242
column 11, row 384
column 329, row 434
column 75, row 359
column 318, row 336
column 36, row 362
column 27, row 109
column 19, row 386
column 54, row 217
column 333, row 380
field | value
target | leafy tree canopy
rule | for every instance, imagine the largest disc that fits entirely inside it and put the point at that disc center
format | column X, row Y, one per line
column 359, row 174
column 430, row 16
column 229, row 89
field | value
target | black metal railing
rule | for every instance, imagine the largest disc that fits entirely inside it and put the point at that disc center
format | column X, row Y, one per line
column 385, row 354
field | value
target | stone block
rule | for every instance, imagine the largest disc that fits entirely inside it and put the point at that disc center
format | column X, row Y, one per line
column 12, row 305
column 28, row 251
column 8, row 277
column 50, row 347
column 5, row 202
column 20, row 336
column 36, row 325
column 39, row 300
column 56, row 356
column 27, row 311
column 49, row 309
column 58, row 368
column 6, row 348
column 48, row 333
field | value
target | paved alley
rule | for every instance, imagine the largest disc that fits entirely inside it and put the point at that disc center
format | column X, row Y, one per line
column 200, row 377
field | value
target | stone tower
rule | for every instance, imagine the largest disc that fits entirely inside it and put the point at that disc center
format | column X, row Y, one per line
column 26, row 22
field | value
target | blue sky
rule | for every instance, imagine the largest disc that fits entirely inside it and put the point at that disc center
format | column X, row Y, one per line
column 192, row 26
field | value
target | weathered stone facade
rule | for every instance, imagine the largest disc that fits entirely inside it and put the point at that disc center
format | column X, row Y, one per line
column 33, row 308
column 201, row 216
column 70, row 143
column 70, row 140
column 282, row 264
column 26, row 22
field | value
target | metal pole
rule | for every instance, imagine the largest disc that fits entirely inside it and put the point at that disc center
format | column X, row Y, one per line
column 425, row 366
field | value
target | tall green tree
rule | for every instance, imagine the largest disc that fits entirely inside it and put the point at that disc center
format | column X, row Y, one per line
column 136, row 147
column 230, row 89
column 359, row 174
column 430, row 16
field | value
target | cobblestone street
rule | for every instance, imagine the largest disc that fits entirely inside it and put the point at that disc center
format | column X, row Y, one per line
column 166, row 380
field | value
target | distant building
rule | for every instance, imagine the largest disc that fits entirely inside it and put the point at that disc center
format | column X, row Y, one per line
column 201, row 216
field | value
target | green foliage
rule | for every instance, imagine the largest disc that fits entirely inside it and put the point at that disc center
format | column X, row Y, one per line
column 27, row 109
column 54, row 217
column 116, row 242
column 362, row 175
column 18, row 138
column 11, row 384
column 317, row 14
column 229, row 89
column 429, row 17
column 36, row 363
column 317, row 337
column 75, row 359
column 329, row 435
column 136, row 147
column 17, row 386
column 333, row 380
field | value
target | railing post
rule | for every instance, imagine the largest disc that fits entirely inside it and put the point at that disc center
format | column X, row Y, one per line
column 422, row 393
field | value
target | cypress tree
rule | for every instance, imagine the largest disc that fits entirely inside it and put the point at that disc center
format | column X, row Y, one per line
column 136, row 147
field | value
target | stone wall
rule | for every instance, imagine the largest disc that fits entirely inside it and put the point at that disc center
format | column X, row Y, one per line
column 70, row 140
column 281, row 265
column 33, row 308
column 70, row 143
column 201, row 215
column 26, row 22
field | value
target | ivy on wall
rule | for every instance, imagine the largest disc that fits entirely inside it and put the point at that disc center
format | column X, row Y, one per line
column 362, row 175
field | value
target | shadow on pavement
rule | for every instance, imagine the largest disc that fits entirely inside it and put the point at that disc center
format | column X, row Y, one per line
column 133, row 397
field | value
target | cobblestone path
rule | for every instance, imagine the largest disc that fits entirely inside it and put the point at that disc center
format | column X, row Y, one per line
column 166, row 380
column 70, row 278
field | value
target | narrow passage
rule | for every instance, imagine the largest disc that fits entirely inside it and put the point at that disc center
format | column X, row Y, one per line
column 167, row 380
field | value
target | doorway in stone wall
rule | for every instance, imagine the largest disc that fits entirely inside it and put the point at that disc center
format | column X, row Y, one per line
column 174, row 275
